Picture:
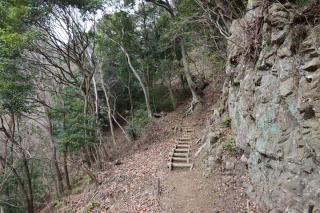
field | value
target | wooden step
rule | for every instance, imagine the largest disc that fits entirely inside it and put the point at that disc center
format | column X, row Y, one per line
column 184, row 139
column 179, row 159
column 181, row 150
column 183, row 142
column 172, row 154
column 182, row 146
column 180, row 165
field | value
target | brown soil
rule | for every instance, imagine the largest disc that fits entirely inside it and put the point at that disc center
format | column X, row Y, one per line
column 130, row 186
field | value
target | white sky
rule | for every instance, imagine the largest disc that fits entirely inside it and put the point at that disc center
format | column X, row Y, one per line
column 87, row 25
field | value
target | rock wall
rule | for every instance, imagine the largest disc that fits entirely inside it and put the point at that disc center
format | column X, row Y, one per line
column 274, row 103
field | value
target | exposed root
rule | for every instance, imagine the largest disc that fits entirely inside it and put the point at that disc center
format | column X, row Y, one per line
column 194, row 102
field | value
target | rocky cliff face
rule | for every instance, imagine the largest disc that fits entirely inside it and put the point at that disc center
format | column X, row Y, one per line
column 274, row 103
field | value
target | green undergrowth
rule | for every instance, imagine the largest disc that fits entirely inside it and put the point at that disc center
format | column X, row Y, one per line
column 78, row 183
column 138, row 123
column 229, row 143
column 301, row 2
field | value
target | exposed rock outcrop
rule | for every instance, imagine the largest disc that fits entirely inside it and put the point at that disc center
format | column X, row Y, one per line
column 274, row 103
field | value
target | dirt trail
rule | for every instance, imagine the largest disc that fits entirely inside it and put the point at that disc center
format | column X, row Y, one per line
column 185, row 191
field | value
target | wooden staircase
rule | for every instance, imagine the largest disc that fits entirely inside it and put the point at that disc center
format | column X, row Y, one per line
column 179, row 156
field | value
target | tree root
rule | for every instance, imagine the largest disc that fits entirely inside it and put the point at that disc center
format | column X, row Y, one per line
column 189, row 111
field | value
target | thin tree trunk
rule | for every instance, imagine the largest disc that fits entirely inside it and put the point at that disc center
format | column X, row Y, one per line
column 95, row 94
column 66, row 172
column 29, row 183
column 28, row 193
column 85, row 92
column 26, row 168
column 172, row 98
column 88, row 155
column 137, row 76
column 55, row 161
column 4, row 153
column 65, row 155
column 191, row 85
column 124, row 132
column 130, row 95
column 141, row 83
column 5, row 143
column 147, row 80
column 109, row 107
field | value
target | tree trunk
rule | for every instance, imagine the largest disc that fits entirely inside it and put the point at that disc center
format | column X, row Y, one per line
column 124, row 132
column 85, row 87
column 140, row 81
column 29, row 183
column 4, row 153
column 55, row 161
column 57, row 171
column 130, row 95
column 147, row 80
column 191, row 85
column 65, row 155
column 66, row 172
column 135, row 73
column 109, row 107
column 95, row 95
column 5, row 143
column 172, row 98
column 26, row 169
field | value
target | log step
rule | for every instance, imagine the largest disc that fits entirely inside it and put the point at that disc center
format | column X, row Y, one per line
column 180, row 165
column 172, row 154
column 183, row 142
column 180, row 159
column 182, row 146
column 181, row 150
column 184, row 139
